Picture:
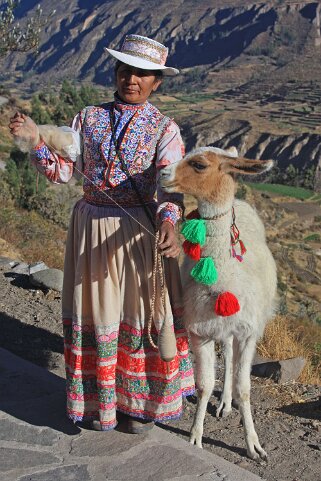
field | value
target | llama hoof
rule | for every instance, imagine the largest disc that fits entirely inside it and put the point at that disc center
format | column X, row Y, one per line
column 263, row 455
column 222, row 412
column 195, row 439
column 257, row 454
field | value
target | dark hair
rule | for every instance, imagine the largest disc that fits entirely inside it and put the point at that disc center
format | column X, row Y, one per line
column 158, row 73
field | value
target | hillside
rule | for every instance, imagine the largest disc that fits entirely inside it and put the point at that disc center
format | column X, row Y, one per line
column 251, row 36
column 250, row 71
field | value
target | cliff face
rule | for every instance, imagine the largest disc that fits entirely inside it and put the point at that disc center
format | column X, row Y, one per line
column 303, row 150
column 197, row 33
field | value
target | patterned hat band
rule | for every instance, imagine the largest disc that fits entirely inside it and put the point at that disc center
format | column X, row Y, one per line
column 146, row 49
column 143, row 53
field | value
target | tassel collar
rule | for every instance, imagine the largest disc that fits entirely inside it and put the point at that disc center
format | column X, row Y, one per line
column 203, row 232
column 195, row 232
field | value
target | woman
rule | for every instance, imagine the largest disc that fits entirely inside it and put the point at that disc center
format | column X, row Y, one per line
column 118, row 148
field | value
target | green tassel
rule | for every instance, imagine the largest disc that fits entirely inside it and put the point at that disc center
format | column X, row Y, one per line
column 194, row 230
column 205, row 271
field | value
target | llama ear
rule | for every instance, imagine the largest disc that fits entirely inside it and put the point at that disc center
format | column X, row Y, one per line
column 241, row 165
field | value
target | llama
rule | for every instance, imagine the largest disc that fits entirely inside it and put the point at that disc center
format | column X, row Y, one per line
column 229, row 289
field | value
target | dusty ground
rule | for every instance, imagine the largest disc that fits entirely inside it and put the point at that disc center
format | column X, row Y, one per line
column 287, row 418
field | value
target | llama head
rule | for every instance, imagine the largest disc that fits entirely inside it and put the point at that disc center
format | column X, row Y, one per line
column 207, row 173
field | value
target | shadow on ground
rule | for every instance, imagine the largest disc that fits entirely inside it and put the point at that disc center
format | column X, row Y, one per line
column 33, row 395
column 29, row 342
column 307, row 410
column 205, row 440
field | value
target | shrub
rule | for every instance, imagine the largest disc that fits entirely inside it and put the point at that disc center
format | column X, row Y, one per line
column 60, row 108
column 22, row 179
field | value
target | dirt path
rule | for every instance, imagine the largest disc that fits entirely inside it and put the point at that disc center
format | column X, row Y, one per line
column 287, row 418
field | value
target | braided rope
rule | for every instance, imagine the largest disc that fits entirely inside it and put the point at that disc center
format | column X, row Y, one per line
column 158, row 268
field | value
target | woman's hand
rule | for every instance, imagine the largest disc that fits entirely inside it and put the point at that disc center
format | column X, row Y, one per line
column 23, row 128
column 167, row 240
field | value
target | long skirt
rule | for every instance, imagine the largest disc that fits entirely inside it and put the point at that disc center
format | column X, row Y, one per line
column 110, row 363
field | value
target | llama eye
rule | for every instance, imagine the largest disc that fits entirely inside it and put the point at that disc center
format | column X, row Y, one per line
column 198, row 165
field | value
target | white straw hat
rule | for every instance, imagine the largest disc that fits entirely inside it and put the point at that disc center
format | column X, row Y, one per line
column 144, row 53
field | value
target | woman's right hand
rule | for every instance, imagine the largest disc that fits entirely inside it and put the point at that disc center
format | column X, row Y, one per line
column 24, row 128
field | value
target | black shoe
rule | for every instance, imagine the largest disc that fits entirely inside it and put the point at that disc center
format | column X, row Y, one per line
column 139, row 426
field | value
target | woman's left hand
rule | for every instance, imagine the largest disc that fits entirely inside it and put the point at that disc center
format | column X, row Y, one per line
column 167, row 240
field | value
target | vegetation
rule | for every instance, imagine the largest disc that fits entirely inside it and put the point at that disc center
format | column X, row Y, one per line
column 190, row 81
column 313, row 238
column 13, row 37
column 35, row 237
column 22, row 180
column 292, row 176
column 286, row 190
column 60, row 108
column 285, row 338
column 24, row 186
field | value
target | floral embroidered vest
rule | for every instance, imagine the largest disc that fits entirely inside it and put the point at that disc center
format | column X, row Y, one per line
column 138, row 130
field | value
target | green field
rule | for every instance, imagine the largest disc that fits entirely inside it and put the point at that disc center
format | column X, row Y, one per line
column 287, row 190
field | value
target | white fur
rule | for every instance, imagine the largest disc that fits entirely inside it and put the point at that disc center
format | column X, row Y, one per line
column 253, row 282
column 64, row 141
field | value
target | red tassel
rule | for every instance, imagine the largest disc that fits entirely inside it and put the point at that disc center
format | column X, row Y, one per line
column 193, row 215
column 226, row 304
column 242, row 246
column 192, row 250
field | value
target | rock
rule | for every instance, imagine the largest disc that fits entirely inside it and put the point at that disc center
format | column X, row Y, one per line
column 280, row 371
column 7, row 262
column 291, row 369
column 36, row 267
column 47, row 279
column 21, row 268
column 316, row 425
column 73, row 472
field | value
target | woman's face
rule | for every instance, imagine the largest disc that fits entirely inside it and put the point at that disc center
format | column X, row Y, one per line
column 135, row 85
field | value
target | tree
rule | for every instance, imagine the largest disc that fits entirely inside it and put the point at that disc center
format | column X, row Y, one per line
column 291, row 175
column 16, row 38
column 21, row 178
column 38, row 113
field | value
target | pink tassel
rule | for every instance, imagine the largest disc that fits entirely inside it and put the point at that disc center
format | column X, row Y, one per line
column 236, row 256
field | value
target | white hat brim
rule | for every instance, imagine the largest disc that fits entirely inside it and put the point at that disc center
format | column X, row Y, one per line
column 141, row 63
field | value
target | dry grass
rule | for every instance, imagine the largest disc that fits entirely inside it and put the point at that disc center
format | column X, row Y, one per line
column 284, row 338
column 33, row 237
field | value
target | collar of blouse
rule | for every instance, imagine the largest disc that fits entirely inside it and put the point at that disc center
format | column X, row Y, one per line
column 122, row 106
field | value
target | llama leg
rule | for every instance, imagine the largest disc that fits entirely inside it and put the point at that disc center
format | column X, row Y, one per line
column 236, row 354
column 243, row 386
column 204, row 365
column 225, row 406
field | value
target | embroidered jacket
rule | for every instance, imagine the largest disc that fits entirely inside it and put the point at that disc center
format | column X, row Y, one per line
column 147, row 141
